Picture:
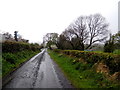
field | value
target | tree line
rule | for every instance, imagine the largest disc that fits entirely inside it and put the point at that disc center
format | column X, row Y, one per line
column 17, row 37
column 82, row 34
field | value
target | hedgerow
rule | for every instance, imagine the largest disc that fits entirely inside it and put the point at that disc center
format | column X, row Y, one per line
column 111, row 60
column 13, row 47
column 81, row 74
column 16, row 53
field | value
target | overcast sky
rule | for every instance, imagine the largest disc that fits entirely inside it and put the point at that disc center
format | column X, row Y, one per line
column 35, row 18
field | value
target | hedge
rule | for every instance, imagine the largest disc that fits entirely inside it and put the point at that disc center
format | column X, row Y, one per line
column 111, row 60
column 13, row 47
column 15, row 53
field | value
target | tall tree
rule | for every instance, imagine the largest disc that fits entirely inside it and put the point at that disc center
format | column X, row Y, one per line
column 50, row 39
column 85, row 31
column 109, row 45
column 16, row 35
column 63, row 43
column 116, row 38
column 8, row 36
column 97, row 27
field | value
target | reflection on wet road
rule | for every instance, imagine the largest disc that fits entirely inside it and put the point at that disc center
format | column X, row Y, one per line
column 38, row 72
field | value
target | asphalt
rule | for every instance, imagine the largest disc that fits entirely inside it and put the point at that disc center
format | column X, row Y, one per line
column 39, row 72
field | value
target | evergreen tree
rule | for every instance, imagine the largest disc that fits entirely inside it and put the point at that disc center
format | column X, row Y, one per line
column 15, row 35
column 109, row 45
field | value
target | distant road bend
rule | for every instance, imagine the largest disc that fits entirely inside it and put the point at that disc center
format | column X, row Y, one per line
column 39, row 72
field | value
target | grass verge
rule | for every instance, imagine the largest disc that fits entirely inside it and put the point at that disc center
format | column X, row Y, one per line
column 80, row 74
column 11, row 61
column 117, row 51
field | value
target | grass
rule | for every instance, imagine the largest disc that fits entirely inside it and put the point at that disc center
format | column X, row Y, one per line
column 10, row 61
column 117, row 51
column 0, row 67
column 80, row 74
column 97, row 51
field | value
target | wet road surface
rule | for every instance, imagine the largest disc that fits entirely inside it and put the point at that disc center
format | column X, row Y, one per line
column 39, row 72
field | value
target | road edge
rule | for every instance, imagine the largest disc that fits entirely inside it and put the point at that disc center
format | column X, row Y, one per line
column 8, row 77
column 63, row 79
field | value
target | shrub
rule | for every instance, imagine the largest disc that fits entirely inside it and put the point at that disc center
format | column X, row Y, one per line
column 9, row 57
column 13, row 60
column 13, row 47
column 15, row 53
column 109, row 47
column 111, row 60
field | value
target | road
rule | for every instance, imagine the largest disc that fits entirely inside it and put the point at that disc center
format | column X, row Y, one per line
column 39, row 72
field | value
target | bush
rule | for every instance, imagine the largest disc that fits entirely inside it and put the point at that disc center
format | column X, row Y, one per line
column 81, row 74
column 13, row 60
column 109, row 47
column 15, row 53
column 9, row 57
column 111, row 60
column 13, row 47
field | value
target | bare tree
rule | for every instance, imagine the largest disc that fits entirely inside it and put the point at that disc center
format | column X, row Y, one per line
column 86, row 30
column 50, row 38
column 97, row 28
column 8, row 36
